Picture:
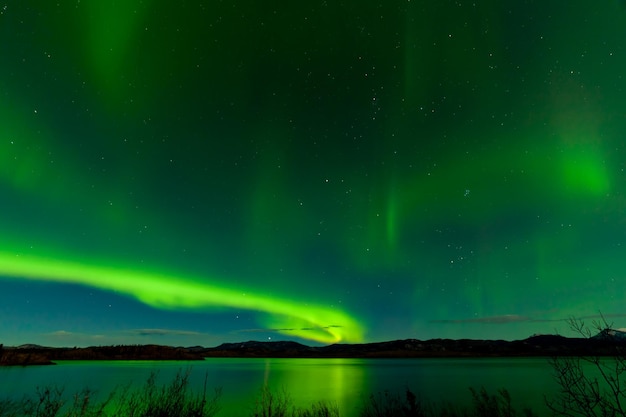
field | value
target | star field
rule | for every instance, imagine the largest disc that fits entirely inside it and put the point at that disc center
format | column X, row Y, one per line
column 191, row 173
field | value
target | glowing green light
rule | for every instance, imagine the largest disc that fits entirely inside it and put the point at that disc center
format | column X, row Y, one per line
column 392, row 220
column 111, row 29
column 584, row 171
column 312, row 322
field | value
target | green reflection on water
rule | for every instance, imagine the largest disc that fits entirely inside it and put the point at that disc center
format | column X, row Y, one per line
column 346, row 383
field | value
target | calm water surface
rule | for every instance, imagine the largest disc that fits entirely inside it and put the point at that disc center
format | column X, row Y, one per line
column 344, row 382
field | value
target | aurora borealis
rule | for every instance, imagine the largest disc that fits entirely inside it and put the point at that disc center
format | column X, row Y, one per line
column 197, row 173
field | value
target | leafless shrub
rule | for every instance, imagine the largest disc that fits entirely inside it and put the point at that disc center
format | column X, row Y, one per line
column 590, row 385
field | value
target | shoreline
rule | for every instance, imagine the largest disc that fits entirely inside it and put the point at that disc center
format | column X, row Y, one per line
column 535, row 346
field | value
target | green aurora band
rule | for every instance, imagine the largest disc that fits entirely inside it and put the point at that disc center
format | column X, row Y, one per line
column 448, row 155
column 163, row 291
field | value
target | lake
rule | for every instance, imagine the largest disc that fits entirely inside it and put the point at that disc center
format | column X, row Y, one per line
column 345, row 382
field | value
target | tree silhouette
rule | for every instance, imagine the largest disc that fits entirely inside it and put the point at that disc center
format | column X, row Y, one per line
column 591, row 385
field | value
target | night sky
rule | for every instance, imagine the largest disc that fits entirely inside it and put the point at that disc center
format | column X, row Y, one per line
column 192, row 173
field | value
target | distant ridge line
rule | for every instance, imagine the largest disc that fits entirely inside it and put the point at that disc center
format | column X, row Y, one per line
column 605, row 343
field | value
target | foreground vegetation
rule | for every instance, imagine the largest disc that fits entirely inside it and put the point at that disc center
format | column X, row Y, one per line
column 171, row 400
column 177, row 400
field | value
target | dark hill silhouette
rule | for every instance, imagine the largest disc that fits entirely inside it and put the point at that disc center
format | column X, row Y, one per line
column 603, row 344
